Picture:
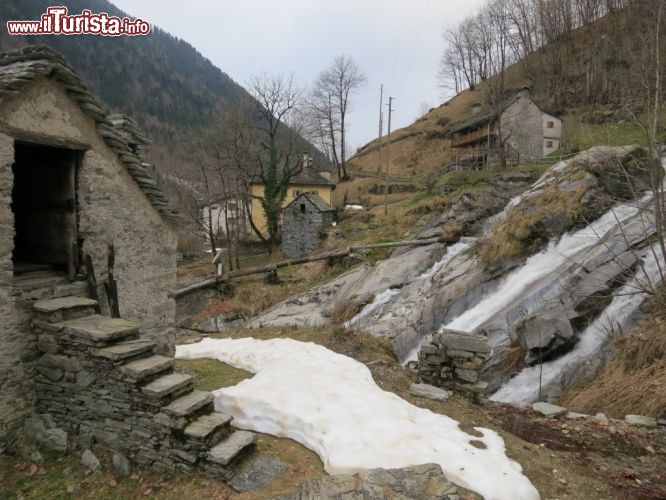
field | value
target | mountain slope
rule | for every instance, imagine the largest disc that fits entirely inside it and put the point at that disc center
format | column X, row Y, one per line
column 162, row 82
column 593, row 77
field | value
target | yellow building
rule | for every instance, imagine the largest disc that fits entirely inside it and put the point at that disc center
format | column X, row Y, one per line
column 309, row 180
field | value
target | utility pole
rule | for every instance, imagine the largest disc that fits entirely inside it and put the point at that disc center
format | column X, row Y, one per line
column 388, row 155
column 381, row 127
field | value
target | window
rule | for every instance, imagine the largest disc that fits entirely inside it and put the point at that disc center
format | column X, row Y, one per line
column 302, row 207
column 550, row 124
column 549, row 144
column 296, row 194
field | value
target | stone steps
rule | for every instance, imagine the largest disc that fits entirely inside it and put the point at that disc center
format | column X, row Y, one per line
column 210, row 428
column 168, row 387
column 223, row 458
column 124, row 350
column 225, row 451
column 49, row 287
column 141, row 369
column 63, row 308
column 179, row 413
column 99, row 330
column 168, row 409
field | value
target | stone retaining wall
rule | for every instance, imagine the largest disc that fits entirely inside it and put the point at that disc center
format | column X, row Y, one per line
column 455, row 360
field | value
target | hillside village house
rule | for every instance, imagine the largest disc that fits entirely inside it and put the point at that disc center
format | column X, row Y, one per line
column 72, row 181
column 308, row 180
column 527, row 132
column 228, row 216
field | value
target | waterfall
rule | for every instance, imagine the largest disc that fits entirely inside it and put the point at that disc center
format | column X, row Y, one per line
column 546, row 381
column 382, row 299
column 541, row 269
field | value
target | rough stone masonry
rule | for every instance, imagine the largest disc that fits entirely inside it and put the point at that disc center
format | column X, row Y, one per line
column 454, row 360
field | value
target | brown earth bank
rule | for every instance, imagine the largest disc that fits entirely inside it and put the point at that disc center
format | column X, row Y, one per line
column 565, row 458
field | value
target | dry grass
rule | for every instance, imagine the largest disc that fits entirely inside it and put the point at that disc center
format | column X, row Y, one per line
column 346, row 311
column 522, row 233
column 633, row 382
column 512, row 356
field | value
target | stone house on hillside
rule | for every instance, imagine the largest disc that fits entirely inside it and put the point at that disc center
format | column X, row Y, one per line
column 302, row 222
column 72, row 181
column 308, row 180
column 524, row 131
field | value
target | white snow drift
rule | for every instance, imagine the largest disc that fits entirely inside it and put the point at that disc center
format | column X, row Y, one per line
column 330, row 403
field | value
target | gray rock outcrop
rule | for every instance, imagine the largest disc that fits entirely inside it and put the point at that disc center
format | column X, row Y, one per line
column 411, row 483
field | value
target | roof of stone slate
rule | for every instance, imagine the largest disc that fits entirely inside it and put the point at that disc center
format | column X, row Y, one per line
column 316, row 200
column 485, row 115
column 309, row 176
column 21, row 67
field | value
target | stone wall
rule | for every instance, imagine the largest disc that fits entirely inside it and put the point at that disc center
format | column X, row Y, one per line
column 454, row 360
column 15, row 338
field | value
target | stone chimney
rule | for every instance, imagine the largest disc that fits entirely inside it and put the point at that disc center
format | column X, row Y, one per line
column 307, row 160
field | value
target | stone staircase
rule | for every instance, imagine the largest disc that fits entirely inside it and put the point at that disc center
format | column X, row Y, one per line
column 105, row 385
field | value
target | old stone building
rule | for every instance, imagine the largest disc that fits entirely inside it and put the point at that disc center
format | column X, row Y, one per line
column 308, row 180
column 523, row 131
column 302, row 223
column 73, row 182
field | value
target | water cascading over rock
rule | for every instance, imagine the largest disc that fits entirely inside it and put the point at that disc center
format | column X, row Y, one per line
column 540, row 273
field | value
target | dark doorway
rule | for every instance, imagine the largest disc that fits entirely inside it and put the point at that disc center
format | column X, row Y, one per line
column 44, row 206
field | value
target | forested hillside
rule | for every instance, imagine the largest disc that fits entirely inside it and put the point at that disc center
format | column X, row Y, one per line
column 169, row 88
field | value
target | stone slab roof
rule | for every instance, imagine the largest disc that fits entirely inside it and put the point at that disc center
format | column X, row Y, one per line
column 316, row 200
column 21, row 67
column 309, row 176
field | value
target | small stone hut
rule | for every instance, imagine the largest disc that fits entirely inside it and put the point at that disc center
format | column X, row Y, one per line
column 302, row 223
column 72, row 181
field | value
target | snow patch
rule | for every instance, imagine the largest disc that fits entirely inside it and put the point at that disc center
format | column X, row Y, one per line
column 330, row 403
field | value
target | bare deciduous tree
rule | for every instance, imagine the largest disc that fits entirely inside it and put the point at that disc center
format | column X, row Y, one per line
column 330, row 102
column 277, row 99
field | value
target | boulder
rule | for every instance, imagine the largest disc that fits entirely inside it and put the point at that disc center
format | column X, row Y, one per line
column 89, row 460
column 429, row 392
column 548, row 410
column 640, row 420
column 122, row 467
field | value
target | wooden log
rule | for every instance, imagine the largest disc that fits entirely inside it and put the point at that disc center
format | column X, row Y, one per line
column 293, row 262
column 110, row 285
column 92, row 281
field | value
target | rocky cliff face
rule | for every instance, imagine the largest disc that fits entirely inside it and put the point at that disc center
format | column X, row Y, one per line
column 536, row 277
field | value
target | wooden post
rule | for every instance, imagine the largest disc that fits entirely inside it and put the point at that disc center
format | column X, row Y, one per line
column 92, row 281
column 110, row 286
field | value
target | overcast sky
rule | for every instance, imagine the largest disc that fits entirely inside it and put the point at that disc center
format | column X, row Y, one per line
column 395, row 42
